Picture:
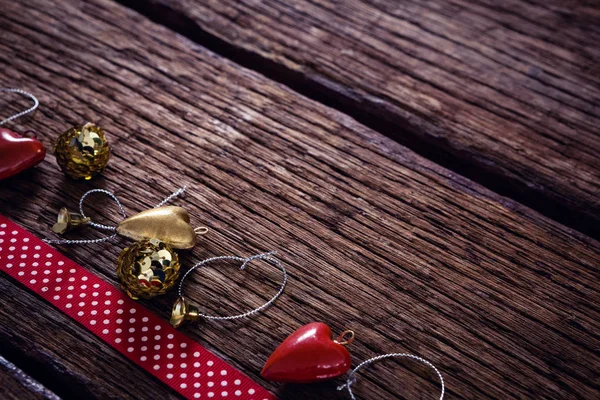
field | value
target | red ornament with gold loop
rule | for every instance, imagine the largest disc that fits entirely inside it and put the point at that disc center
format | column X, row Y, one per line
column 309, row 355
column 18, row 153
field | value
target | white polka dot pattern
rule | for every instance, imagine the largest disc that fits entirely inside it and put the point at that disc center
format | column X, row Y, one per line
column 124, row 324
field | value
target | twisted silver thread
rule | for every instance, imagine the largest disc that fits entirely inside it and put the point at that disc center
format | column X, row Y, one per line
column 264, row 256
column 36, row 103
column 352, row 378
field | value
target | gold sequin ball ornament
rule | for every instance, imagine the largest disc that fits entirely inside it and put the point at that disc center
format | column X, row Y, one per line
column 147, row 268
column 82, row 152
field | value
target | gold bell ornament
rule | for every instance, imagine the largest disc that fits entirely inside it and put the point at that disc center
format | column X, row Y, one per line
column 150, row 266
column 184, row 311
column 82, row 152
column 67, row 221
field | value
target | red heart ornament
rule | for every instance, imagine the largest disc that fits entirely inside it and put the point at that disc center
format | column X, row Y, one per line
column 307, row 355
column 18, row 153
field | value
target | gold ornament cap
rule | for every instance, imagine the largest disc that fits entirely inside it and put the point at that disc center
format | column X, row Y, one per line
column 183, row 311
column 82, row 152
column 169, row 224
column 147, row 268
column 67, row 221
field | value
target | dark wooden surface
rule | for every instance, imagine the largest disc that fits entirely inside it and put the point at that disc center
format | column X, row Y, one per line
column 506, row 93
column 412, row 256
column 16, row 384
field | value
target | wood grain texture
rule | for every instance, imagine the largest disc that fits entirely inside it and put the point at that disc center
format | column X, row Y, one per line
column 505, row 93
column 411, row 256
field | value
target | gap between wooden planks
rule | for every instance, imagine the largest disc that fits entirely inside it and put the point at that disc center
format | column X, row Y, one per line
column 16, row 384
column 503, row 93
column 411, row 256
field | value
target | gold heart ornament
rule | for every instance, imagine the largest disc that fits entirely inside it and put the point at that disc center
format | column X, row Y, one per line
column 169, row 224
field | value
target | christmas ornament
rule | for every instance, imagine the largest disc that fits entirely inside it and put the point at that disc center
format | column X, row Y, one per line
column 18, row 153
column 309, row 355
column 352, row 376
column 147, row 268
column 184, row 311
column 82, row 152
column 150, row 266
column 168, row 224
column 67, row 221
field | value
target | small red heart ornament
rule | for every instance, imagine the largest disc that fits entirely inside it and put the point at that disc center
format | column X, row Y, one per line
column 307, row 355
column 18, row 153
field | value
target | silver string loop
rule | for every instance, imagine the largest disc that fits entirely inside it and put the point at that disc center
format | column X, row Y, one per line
column 352, row 378
column 96, row 225
column 36, row 103
column 264, row 256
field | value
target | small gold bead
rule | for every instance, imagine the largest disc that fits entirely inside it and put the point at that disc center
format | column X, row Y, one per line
column 82, row 152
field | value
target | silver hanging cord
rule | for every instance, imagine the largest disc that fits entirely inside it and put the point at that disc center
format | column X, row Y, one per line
column 352, row 378
column 179, row 192
column 265, row 256
column 100, row 226
column 36, row 103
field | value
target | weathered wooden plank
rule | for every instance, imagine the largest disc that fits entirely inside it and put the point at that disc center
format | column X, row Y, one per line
column 63, row 356
column 16, row 384
column 505, row 93
column 411, row 256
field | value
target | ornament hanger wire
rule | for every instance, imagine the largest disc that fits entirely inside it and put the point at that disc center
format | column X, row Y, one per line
column 36, row 103
column 264, row 256
column 352, row 376
column 345, row 337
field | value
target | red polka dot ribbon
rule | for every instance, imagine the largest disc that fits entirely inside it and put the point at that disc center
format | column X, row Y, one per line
column 127, row 326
